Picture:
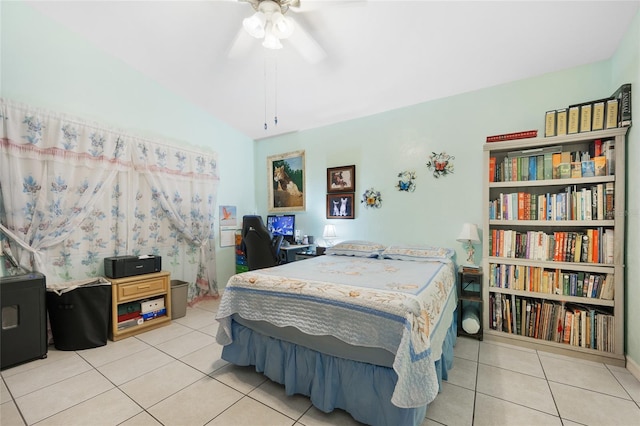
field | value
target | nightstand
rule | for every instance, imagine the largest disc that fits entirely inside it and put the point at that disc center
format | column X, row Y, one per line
column 470, row 300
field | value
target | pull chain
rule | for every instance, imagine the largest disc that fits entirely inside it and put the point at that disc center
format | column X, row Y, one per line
column 265, row 93
column 275, row 117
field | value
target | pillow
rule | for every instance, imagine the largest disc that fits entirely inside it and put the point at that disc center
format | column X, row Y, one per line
column 418, row 253
column 356, row 248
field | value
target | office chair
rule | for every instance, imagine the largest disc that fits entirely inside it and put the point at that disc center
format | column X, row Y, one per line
column 260, row 247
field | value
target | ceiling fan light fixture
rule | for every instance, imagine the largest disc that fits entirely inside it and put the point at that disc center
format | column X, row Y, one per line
column 282, row 25
column 271, row 41
column 255, row 24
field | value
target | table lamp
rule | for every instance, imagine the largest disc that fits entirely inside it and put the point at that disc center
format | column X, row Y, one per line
column 469, row 235
column 329, row 234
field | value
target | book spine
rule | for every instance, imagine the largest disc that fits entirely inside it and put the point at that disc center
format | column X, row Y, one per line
column 623, row 94
column 512, row 136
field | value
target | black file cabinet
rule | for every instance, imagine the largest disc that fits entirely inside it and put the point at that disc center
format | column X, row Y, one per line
column 470, row 303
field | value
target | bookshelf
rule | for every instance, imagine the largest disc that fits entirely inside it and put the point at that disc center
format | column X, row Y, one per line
column 554, row 241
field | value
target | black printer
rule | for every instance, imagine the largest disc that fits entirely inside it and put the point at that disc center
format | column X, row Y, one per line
column 127, row 266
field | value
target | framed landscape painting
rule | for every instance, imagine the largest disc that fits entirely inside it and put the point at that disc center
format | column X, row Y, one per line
column 341, row 179
column 285, row 174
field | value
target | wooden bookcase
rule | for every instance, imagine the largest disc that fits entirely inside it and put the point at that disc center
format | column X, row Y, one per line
column 519, row 275
column 139, row 288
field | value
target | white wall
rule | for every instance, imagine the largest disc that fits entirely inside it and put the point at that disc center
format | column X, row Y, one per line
column 45, row 65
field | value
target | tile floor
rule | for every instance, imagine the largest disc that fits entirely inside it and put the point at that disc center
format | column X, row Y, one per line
column 174, row 376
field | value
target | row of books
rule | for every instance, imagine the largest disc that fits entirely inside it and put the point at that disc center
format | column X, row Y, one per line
column 571, row 324
column 587, row 203
column 587, row 246
column 599, row 160
column 552, row 281
column 137, row 312
column 601, row 114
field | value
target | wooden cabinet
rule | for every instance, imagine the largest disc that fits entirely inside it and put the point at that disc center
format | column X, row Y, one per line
column 140, row 288
column 553, row 252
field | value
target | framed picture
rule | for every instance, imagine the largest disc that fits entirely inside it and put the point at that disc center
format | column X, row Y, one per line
column 340, row 206
column 285, row 174
column 341, row 179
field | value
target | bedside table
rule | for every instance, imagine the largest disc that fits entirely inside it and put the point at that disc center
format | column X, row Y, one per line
column 469, row 299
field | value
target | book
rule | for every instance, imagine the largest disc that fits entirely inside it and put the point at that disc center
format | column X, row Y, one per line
column 564, row 170
column 600, row 165
column 573, row 123
column 608, row 148
column 550, row 123
column 492, row 169
column 576, row 169
column 512, row 136
column 548, row 166
column 611, row 119
column 585, row 117
column 588, row 169
column 561, row 122
column 623, row 95
column 598, row 115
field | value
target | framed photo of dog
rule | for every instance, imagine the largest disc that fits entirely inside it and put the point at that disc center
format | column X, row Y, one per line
column 341, row 179
column 340, row 206
column 286, row 175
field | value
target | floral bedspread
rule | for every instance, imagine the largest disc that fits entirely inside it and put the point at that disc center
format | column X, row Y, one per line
column 391, row 304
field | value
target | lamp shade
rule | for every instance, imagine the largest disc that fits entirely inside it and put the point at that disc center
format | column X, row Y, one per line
column 255, row 24
column 469, row 233
column 329, row 231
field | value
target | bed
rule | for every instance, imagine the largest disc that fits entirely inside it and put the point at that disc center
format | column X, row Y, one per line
column 366, row 328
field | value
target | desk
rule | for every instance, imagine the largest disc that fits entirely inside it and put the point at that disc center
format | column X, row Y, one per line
column 288, row 253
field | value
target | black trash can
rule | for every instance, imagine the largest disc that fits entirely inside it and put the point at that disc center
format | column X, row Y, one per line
column 79, row 314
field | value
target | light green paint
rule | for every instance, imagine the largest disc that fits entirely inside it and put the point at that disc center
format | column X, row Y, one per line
column 45, row 65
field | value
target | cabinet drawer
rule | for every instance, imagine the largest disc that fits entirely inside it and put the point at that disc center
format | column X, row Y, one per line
column 140, row 289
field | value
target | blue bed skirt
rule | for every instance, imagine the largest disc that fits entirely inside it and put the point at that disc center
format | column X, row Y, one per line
column 363, row 390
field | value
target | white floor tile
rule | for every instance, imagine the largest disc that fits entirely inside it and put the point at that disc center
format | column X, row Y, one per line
column 466, row 348
column 315, row 417
column 109, row 408
column 153, row 387
column 196, row 404
column 463, row 373
column 53, row 399
column 511, row 358
column 210, row 329
column 197, row 318
column 136, row 365
column 163, row 334
column 629, row 383
column 518, row 388
column 5, row 396
column 492, row 411
column 206, row 359
column 186, row 344
column 53, row 355
column 247, row 411
column 10, row 415
column 273, row 395
column 453, row 406
column 242, row 379
column 112, row 351
column 586, row 376
column 46, row 374
column 593, row 408
column 142, row 419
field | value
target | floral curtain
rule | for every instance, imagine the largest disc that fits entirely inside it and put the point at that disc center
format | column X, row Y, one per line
column 73, row 193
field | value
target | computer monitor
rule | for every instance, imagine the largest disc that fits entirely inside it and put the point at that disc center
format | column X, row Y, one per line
column 283, row 224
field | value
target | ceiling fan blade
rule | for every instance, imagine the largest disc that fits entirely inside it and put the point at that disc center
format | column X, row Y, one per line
column 241, row 45
column 306, row 45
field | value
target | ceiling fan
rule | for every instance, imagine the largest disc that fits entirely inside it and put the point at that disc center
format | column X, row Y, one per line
column 270, row 24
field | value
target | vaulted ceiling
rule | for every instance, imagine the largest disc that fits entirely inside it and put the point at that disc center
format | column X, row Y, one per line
column 379, row 55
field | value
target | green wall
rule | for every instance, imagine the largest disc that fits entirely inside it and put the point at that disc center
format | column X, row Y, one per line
column 46, row 65
column 383, row 145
